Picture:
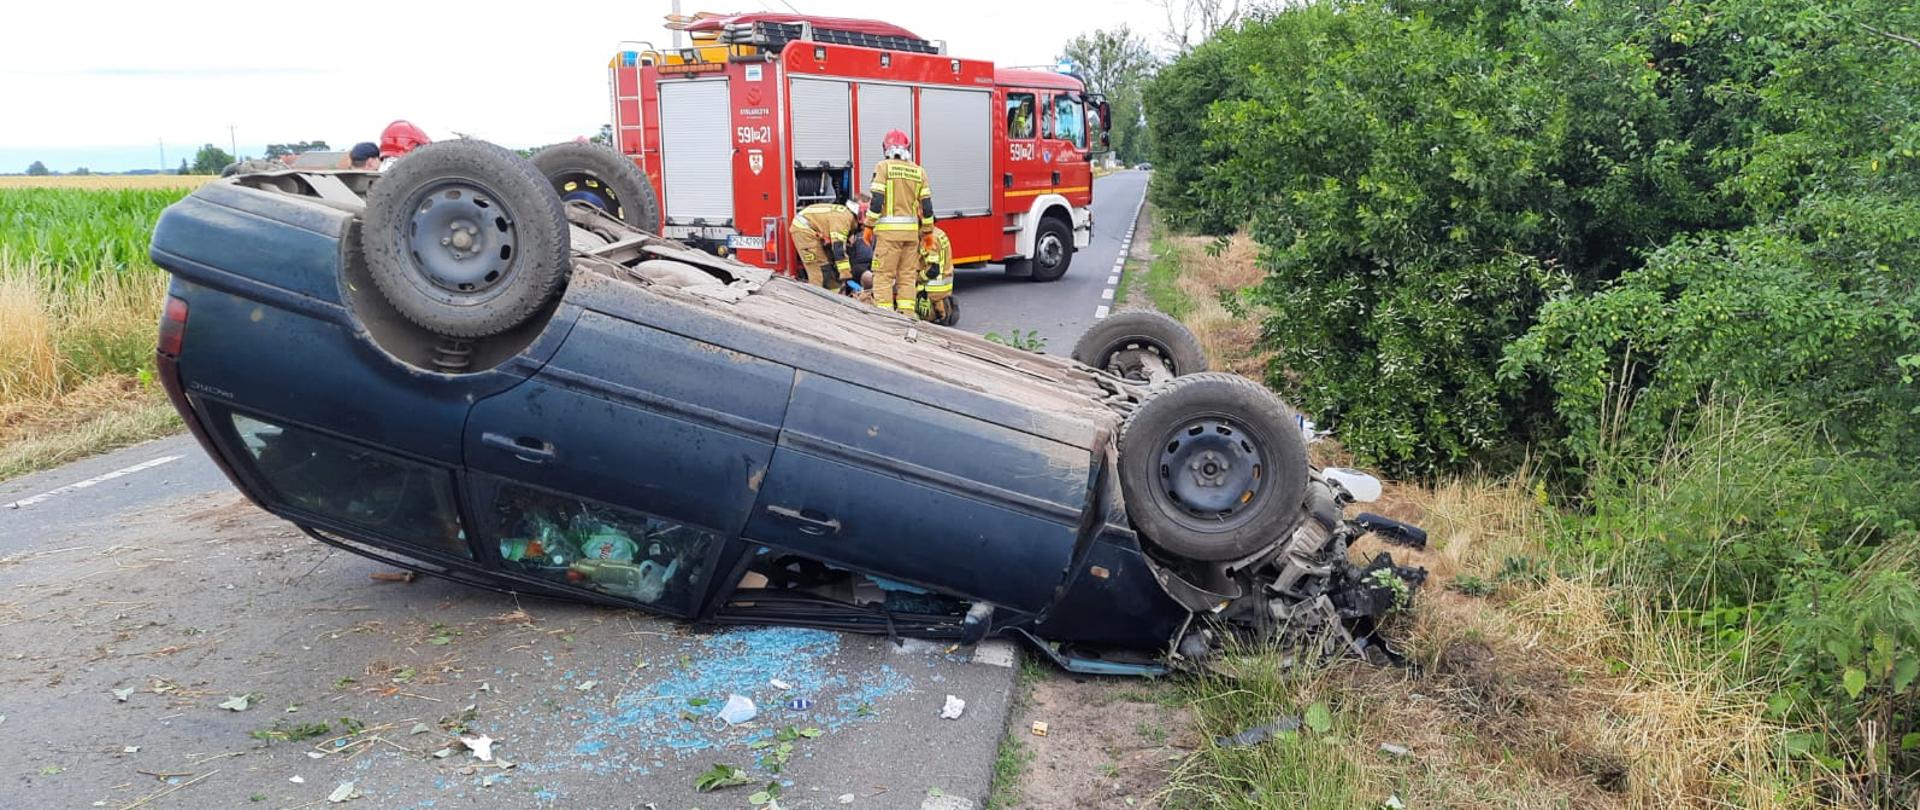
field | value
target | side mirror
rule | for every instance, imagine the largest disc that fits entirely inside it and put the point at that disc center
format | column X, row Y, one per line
column 1106, row 116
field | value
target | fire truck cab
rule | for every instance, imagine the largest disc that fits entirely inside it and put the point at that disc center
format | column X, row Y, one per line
column 769, row 113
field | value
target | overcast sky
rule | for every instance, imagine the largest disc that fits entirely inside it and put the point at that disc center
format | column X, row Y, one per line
column 105, row 84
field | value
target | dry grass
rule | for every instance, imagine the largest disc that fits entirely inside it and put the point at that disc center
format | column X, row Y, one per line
column 106, row 181
column 1199, row 280
column 1555, row 691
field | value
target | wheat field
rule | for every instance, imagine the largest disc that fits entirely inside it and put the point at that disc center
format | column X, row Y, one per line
column 105, row 181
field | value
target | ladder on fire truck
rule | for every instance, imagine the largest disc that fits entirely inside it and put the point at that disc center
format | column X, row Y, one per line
column 718, row 37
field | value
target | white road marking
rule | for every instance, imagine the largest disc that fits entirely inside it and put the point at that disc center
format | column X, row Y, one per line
column 1113, row 279
column 1100, row 313
column 98, row 479
column 1107, row 294
column 1120, row 262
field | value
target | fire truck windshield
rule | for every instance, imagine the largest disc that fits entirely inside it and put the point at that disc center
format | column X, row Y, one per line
column 1070, row 120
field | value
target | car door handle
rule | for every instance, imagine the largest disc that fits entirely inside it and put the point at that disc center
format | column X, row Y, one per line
column 525, row 448
column 808, row 521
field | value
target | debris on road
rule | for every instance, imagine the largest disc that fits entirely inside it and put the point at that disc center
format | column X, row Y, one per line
column 419, row 728
column 404, row 577
column 237, row 703
column 780, row 684
column 1260, row 733
column 799, row 704
column 1039, row 728
column 121, row 695
column 953, row 708
column 587, row 686
column 342, row 793
column 845, row 798
column 481, row 746
column 720, row 776
column 296, row 780
column 738, row 709
column 1395, row 750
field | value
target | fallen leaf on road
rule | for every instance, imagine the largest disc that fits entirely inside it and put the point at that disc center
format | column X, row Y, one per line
column 443, row 753
column 419, row 728
column 587, row 686
column 121, row 695
column 131, row 749
column 237, row 703
column 845, row 798
column 296, row 780
column 341, row 793
column 780, row 684
column 481, row 746
column 719, row 776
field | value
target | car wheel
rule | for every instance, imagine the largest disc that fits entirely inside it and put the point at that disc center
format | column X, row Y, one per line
column 603, row 178
column 1125, row 342
column 465, row 239
column 1212, row 467
column 1052, row 250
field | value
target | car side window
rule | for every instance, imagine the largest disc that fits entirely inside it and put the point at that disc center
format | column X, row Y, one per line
column 1020, row 115
column 400, row 499
column 589, row 545
column 1069, row 120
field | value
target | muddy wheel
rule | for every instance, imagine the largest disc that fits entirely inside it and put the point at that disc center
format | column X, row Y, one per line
column 465, row 239
column 1052, row 250
column 1212, row 467
column 1125, row 343
column 601, row 177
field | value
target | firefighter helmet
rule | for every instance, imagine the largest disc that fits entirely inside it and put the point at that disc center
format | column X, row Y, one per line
column 895, row 145
column 401, row 137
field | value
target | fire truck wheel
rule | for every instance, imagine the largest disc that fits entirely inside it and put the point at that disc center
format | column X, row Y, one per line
column 1127, row 343
column 1212, row 467
column 602, row 177
column 465, row 239
column 1052, row 250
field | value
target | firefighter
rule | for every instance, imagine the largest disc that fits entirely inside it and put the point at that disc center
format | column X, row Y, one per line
column 821, row 232
column 901, row 213
column 936, row 255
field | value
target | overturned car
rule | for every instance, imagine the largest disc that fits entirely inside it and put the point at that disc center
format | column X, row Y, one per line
column 448, row 368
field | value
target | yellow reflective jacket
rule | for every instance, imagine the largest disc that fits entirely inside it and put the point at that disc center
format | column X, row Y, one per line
column 902, row 198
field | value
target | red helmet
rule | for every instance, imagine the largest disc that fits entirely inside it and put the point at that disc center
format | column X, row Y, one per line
column 401, row 137
column 896, row 143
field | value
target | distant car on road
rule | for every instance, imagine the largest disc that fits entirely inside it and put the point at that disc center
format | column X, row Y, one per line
column 445, row 368
column 1143, row 166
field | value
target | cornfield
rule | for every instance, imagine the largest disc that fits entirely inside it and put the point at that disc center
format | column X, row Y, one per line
column 78, row 297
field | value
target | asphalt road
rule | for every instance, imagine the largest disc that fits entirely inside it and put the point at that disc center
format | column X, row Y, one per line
column 992, row 301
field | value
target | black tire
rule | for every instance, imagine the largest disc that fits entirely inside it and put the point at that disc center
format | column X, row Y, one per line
column 952, row 314
column 1250, row 491
column 603, row 177
column 1052, row 250
column 515, row 236
column 1109, row 345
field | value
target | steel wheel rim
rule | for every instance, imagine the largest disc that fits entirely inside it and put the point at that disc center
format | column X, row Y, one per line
column 1125, row 358
column 461, row 239
column 1050, row 251
column 1211, row 472
column 586, row 188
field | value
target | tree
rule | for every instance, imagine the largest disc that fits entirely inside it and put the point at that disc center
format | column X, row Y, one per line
column 210, row 160
column 38, row 169
column 276, row 150
column 184, row 168
column 1116, row 63
column 1191, row 22
column 605, row 135
column 82, row 172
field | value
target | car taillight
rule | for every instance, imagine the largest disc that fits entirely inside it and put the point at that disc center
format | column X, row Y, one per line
column 173, row 326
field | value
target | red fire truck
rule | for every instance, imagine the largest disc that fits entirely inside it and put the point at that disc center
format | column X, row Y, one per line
column 767, row 113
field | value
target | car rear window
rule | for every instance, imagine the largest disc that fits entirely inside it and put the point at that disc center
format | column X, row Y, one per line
column 396, row 498
column 624, row 554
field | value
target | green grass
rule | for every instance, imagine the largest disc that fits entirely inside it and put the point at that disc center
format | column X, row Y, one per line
column 1163, row 275
column 1312, row 770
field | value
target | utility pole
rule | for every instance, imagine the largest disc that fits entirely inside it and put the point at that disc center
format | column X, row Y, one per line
column 676, row 31
column 163, row 154
column 233, row 142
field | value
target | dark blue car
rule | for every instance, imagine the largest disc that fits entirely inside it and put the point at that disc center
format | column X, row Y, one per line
column 447, row 368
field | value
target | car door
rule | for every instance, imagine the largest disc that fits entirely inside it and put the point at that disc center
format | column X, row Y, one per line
column 905, row 489
column 624, row 465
